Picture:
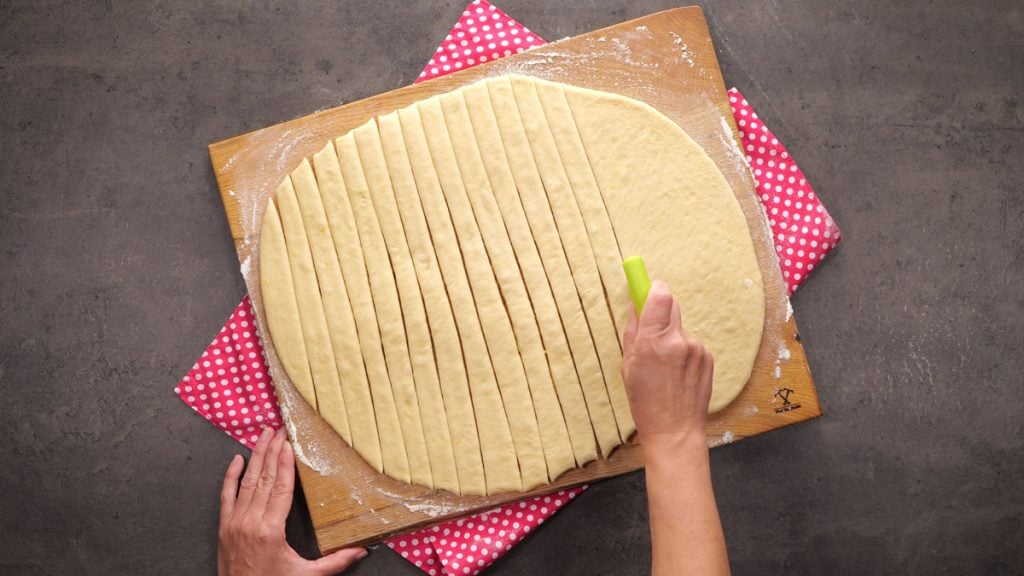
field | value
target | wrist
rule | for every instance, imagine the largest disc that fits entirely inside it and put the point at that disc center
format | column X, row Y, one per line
column 661, row 446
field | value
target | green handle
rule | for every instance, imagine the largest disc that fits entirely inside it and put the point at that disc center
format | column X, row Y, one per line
column 639, row 282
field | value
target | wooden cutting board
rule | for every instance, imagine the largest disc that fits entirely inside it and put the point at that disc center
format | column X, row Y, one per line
column 665, row 59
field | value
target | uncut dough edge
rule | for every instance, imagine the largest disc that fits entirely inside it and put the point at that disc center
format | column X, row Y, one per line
column 634, row 149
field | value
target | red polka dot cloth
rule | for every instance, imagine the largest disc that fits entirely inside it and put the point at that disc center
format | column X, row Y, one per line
column 802, row 230
column 468, row 545
column 230, row 386
column 483, row 33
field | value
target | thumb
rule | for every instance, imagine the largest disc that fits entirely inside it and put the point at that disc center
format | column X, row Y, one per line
column 337, row 562
column 629, row 336
column 657, row 314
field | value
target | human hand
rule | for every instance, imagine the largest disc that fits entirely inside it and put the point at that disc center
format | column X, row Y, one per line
column 667, row 373
column 252, row 516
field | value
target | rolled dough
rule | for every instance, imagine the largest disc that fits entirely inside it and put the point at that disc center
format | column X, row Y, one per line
column 462, row 278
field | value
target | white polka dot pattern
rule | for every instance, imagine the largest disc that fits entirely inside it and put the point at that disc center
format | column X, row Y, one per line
column 229, row 384
column 483, row 33
column 802, row 230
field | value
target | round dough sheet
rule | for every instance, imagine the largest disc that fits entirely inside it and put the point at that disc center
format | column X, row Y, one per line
column 444, row 284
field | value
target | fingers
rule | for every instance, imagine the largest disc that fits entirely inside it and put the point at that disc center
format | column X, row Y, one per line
column 657, row 314
column 675, row 321
column 252, row 474
column 707, row 376
column 229, row 491
column 338, row 561
column 268, row 476
column 629, row 336
column 694, row 353
column 280, row 500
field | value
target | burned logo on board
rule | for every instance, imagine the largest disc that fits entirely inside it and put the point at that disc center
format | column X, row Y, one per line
column 788, row 405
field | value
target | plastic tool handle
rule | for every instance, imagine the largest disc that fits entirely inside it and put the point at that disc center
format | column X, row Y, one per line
column 639, row 282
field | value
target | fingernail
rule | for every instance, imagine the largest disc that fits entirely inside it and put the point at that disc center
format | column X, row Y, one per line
column 363, row 554
column 280, row 432
column 266, row 432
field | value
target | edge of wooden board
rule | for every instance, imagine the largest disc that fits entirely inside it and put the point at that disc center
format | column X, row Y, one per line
column 403, row 507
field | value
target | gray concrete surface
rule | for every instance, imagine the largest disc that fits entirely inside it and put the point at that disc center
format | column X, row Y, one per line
column 116, row 268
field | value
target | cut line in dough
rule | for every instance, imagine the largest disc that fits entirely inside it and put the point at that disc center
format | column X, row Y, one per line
column 497, row 448
column 389, row 309
column 421, row 346
column 494, row 319
column 552, row 361
column 362, row 432
column 450, row 364
column 342, row 223
column 283, row 312
column 322, row 363
column 541, row 221
column 602, row 238
column 539, row 399
column 580, row 255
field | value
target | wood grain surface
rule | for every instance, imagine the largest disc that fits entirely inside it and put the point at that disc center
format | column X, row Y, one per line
column 665, row 59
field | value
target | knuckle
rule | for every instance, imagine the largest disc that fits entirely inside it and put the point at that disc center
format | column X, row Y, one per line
column 644, row 347
column 659, row 298
column 249, row 482
column 266, row 534
column 693, row 348
column 248, row 526
column 266, row 480
column 280, row 489
column 672, row 345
